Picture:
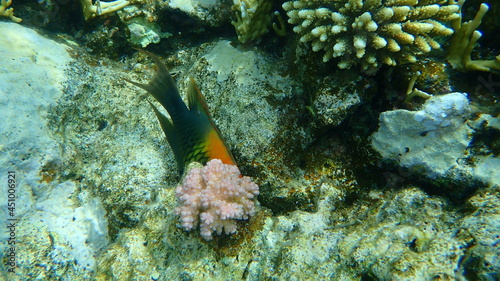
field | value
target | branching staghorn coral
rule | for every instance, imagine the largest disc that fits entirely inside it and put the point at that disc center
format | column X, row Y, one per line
column 464, row 40
column 8, row 12
column 371, row 32
column 100, row 8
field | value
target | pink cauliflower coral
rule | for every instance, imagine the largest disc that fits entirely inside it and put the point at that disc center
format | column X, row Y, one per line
column 215, row 196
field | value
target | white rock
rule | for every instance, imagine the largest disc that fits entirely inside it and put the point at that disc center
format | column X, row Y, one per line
column 32, row 73
column 431, row 139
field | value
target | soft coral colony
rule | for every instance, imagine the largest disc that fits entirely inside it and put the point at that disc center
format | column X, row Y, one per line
column 213, row 196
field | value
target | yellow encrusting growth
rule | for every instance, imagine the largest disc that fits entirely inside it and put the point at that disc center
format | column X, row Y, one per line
column 100, row 8
column 371, row 32
column 464, row 40
column 8, row 12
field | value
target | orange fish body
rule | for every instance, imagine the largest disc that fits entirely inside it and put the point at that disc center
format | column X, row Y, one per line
column 190, row 131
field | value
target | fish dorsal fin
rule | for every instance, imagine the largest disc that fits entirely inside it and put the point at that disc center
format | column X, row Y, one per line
column 196, row 100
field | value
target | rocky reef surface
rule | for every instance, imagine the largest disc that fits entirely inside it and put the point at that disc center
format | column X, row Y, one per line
column 355, row 184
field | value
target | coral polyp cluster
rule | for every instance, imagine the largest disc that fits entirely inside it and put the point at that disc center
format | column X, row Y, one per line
column 215, row 196
column 371, row 32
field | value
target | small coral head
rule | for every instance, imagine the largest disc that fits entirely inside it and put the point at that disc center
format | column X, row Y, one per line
column 214, row 197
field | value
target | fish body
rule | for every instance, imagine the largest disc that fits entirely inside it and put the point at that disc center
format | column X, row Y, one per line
column 190, row 131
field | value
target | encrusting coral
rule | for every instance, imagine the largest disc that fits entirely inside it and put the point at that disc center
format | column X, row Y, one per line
column 463, row 41
column 215, row 196
column 8, row 12
column 100, row 8
column 371, row 32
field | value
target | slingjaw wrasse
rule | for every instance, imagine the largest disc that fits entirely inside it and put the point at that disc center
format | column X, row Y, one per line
column 190, row 131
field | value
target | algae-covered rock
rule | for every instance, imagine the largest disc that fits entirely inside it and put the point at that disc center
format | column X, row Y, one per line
column 338, row 96
column 401, row 235
column 482, row 226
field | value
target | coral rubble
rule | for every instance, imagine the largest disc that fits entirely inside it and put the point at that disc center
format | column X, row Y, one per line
column 142, row 26
column 371, row 32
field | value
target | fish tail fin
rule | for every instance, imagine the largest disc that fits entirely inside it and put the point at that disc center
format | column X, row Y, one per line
column 171, row 135
column 162, row 87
